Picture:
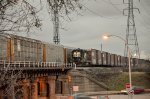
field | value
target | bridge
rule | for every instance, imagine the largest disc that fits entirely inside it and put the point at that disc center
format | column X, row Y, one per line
column 34, row 73
column 29, row 74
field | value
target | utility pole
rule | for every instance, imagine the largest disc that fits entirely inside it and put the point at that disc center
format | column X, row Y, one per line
column 131, row 36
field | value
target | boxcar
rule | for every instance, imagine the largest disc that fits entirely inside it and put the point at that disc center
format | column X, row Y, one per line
column 17, row 48
column 53, row 53
column 123, row 61
column 99, row 57
column 4, row 54
column 25, row 49
column 108, row 59
column 92, row 56
column 68, row 54
column 119, row 60
column 116, row 60
column 112, row 60
column 135, row 61
column 104, row 57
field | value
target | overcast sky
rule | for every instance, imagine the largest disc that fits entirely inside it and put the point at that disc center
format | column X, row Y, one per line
column 99, row 17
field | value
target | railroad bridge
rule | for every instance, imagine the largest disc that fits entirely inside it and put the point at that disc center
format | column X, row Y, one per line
column 47, row 79
column 33, row 79
column 43, row 80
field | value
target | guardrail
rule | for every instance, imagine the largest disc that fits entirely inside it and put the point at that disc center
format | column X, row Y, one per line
column 16, row 65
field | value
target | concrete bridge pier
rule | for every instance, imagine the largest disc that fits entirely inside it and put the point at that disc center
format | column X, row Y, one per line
column 30, row 88
column 1, row 94
column 33, row 89
column 37, row 88
column 51, row 82
column 65, row 89
column 25, row 89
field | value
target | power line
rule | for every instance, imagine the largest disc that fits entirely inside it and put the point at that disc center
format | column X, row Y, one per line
column 92, row 11
column 113, row 5
column 96, row 13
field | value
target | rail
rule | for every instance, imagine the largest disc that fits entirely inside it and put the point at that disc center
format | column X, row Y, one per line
column 24, row 65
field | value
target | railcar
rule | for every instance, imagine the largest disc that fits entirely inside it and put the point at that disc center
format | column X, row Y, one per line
column 115, row 60
column 123, row 61
column 143, row 63
column 3, row 46
column 134, row 61
column 119, row 60
column 68, row 58
column 104, row 58
column 92, row 57
column 53, row 53
column 112, row 56
column 17, row 48
column 99, row 57
column 108, row 59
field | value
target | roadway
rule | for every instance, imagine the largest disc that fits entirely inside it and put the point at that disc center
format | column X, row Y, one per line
column 117, row 95
column 140, row 96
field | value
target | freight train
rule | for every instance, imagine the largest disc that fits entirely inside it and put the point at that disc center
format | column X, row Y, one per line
column 17, row 48
column 94, row 57
column 97, row 58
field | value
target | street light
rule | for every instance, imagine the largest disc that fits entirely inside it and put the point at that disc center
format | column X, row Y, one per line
column 129, row 55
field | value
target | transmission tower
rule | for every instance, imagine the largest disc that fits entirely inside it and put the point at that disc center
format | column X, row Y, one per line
column 56, row 36
column 131, row 36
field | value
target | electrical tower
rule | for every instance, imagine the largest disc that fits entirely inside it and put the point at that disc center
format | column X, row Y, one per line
column 131, row 36
column 56, row 37
column 55, row 19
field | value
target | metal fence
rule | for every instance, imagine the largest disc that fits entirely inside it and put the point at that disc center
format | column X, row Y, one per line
column 16, row 65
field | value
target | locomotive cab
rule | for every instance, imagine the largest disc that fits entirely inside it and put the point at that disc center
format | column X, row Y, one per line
column 79, row 56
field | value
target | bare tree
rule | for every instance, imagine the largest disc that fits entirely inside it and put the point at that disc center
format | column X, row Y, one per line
column 20, row 15
column 17, row 16
column 64, row 7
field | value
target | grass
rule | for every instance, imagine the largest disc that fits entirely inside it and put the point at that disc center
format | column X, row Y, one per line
column 117, row 82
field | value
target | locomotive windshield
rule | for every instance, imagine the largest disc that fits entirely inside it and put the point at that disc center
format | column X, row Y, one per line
column 79, row 56
column 76, row 54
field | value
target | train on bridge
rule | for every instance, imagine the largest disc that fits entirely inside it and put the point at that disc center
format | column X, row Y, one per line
column 17, row 48
column 94, row 57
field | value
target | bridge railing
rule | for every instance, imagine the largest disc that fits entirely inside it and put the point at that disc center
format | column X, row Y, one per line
column 35, row 65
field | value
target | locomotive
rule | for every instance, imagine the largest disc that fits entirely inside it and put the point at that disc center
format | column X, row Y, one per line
column 79, row 56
